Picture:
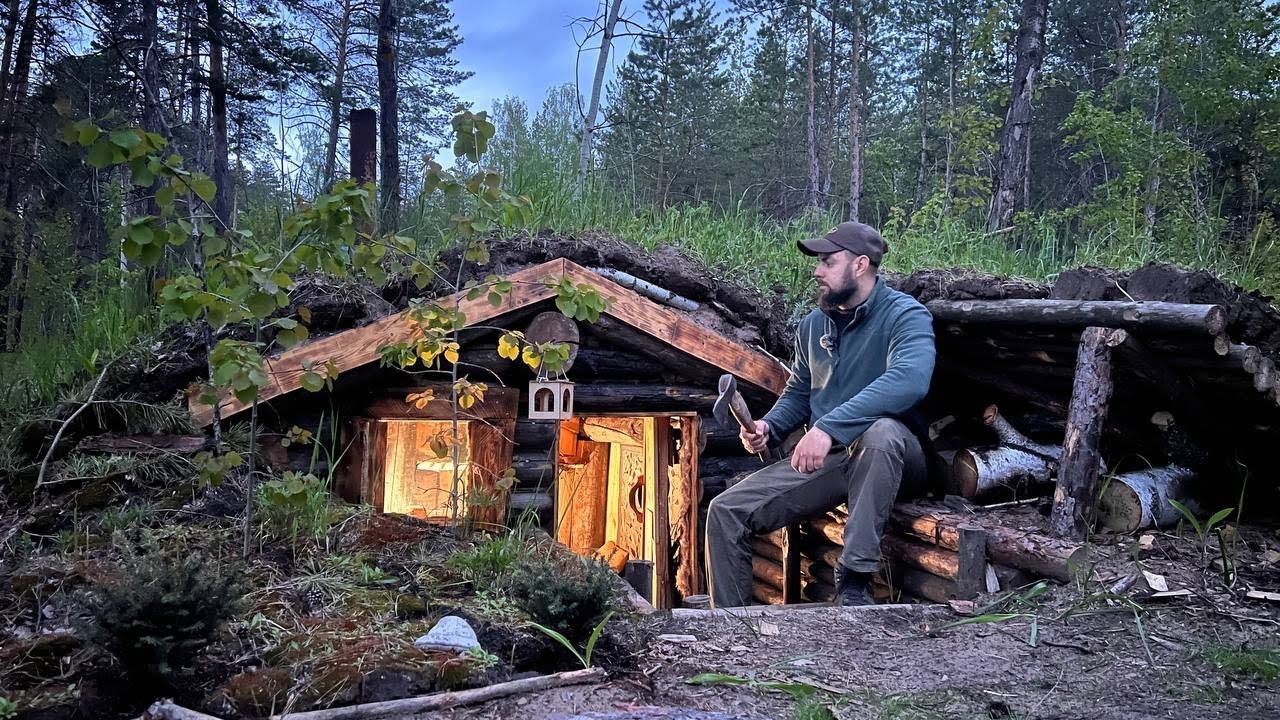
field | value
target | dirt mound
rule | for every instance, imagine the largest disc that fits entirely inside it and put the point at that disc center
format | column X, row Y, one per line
column 962, row 284
column 1251, row 316
column 744, row 314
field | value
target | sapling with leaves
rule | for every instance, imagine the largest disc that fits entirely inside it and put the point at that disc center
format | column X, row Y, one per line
column 482, row 206
column 232, row 277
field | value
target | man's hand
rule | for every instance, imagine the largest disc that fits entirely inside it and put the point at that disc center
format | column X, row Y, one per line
column 811, row 452
column 756, row 440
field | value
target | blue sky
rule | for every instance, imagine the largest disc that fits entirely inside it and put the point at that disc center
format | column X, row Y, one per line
column 523, row 47
column 519, row 48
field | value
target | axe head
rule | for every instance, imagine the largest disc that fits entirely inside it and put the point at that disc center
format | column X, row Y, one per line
column 728, row 386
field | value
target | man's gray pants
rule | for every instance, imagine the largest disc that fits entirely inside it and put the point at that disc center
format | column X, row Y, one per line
column 867, row 476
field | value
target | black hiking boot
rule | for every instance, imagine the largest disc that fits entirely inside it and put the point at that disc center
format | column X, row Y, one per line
column 853, row 588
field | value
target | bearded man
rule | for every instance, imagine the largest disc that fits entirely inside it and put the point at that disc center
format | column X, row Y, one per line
column 863, row 360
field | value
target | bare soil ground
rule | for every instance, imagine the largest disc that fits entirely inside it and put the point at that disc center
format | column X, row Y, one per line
column 1066, row 653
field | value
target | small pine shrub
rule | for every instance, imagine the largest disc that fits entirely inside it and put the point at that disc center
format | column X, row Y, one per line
column 567, row 595
column 163, row 611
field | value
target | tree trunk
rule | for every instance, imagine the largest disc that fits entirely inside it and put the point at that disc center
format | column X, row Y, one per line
column 218, row 107
column 13, row 97
column 855, row 115
column 1076, row 495
column 152, row 111
column 1015, row 135
column 922, row 171
column 196, row 118
column 389, row 116
column 597, row 83
column 335, row 99
column 664, row 109
column 948, row 176
column 1153, row 182
column 812, row 127
column 10, row 33
column 829, row 131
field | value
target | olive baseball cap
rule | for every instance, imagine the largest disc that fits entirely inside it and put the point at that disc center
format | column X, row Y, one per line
column 858, row 238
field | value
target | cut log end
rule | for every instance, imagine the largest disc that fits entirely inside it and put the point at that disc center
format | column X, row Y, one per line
column 1119, row 509
column 964, row 474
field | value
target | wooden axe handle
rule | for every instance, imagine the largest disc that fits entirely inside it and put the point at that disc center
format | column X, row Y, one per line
column 738, row 408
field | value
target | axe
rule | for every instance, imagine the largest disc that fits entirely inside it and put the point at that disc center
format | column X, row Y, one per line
column 730, row 402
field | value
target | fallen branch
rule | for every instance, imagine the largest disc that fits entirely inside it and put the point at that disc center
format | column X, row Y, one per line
column 443, row 701
column 166, row 710
column 44, row 464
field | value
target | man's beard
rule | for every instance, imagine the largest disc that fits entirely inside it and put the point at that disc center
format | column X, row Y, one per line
column 835, row 298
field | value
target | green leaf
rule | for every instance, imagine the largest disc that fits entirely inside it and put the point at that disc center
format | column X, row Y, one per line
column 151, row 253
column 164, row 196
column 312, row 381
column 213, row 245
column 88, row 133
column 101, row 155
column 1218, row 517
column 204, row 187
column 125, row 139
column 261, row 304
column 716, row 679
column 567, row 305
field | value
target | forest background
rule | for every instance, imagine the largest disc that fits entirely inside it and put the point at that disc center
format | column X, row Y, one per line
column 1013, row 137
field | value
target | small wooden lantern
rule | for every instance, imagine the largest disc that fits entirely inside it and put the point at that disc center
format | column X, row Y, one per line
column 550, row 399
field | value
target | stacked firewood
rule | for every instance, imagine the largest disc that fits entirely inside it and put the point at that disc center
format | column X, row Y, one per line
column 929, row 552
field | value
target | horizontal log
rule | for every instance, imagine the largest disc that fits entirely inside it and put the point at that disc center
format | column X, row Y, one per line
column 818, row 570
column 1011, row 578
column 142, row 444
column 767, row 571
column 766, row 594
column 766, row 549
column 535, row 435
column 925, row 585
column 1135, row 500
column 1039, row 554
column 930, row 558
column 980, row 471
column 638, row 398
column 918, row 523
column 538, row 501
column 1000, row 385
column 1151, row 316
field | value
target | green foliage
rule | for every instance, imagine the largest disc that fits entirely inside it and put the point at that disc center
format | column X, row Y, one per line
column 8, row 709
column 1260, row 663
column 104, row 317
column 1202, row 531
column 811, row 708
column 485, row 564
column 583, row 657
column 163, row 609
column 567, row 595
column 797, row 690
column 213, row 467
column 294, row 506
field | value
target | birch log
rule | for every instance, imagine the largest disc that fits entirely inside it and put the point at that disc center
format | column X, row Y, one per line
column 1136, row 500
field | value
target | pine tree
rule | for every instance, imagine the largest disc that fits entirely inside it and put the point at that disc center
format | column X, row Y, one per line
column 664, row 117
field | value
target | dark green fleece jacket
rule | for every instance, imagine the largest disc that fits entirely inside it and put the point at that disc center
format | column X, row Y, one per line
column 878, row 365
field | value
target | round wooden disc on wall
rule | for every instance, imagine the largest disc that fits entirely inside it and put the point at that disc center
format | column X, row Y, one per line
column 555, row 327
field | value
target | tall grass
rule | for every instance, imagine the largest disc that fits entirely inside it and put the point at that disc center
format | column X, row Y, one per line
column 64, row 347
column 742, row 244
